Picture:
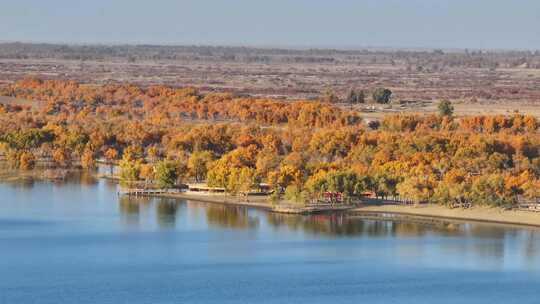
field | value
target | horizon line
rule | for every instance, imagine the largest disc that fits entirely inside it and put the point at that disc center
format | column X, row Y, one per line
column 266, row 46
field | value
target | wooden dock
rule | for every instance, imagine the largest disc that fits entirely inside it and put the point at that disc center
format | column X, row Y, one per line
column 147, row 192
column 312, row 208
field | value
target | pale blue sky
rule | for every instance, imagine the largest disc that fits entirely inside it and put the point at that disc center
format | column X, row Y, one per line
column 513, row 24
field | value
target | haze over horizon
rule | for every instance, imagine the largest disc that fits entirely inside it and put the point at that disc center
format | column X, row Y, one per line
column 479, row 24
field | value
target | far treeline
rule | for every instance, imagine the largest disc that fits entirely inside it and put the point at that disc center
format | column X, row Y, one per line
column 378, row 95
column 164, row 136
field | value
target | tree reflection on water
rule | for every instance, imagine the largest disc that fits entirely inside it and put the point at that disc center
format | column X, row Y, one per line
column 132, row 209
column 461, row 243
column 346, row 225
column 164, row 212
column 230, row 217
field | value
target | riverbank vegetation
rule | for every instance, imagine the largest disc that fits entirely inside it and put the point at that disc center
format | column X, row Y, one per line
column 304, row 150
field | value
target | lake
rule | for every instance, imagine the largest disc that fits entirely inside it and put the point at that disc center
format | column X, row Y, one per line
column 79, row 242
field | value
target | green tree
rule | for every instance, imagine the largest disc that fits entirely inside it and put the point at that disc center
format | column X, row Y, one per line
column 416, row 189
column 381, row 95
column 343, row 182
column 241, row 180
column 166, row 174
column 384, row 185
column 491, row 190
column 295, row 194
column 129, row 171
column 445, row 108
column 347, row 183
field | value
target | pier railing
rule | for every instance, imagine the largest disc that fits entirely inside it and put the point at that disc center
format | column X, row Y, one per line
column 143, row 192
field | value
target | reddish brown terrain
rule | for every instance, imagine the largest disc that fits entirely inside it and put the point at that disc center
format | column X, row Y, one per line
column 477, row 82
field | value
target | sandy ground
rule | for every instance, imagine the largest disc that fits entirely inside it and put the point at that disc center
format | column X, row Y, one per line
column 484, row 214
column 461, row 109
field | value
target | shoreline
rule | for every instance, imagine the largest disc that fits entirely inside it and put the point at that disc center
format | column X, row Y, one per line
column 259, row 202
column 487, row 215
column 385, row 211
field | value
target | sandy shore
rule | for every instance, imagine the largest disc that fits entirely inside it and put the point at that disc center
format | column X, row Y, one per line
column 482, row 214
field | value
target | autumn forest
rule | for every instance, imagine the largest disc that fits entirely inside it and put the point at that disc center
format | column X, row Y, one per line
column 167, row 136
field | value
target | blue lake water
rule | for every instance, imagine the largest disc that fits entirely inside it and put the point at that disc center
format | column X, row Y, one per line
column 78, row 242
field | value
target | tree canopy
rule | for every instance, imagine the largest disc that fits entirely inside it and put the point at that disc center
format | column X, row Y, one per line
column 381, row 95
column 445, row 108
column 299, row 148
